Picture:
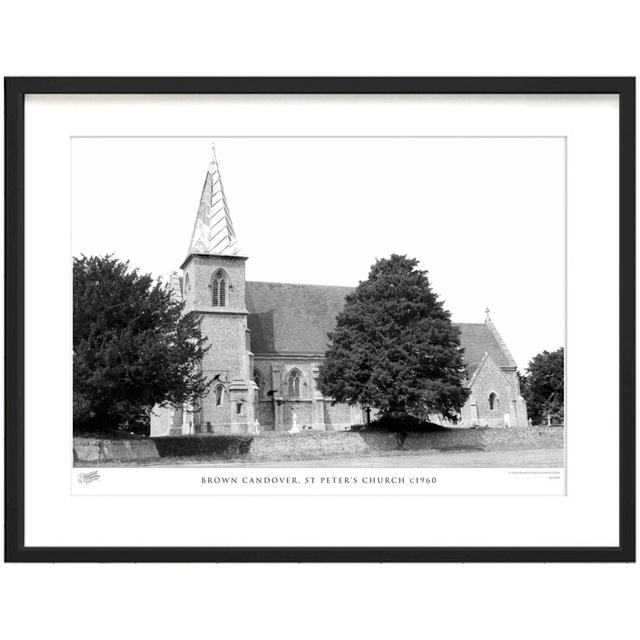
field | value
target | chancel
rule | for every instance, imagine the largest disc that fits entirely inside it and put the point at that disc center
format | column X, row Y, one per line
column 268, row 339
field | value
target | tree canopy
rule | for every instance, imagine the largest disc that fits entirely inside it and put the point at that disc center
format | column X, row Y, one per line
column 133, row 347
column 394, row 348
column 543, row 387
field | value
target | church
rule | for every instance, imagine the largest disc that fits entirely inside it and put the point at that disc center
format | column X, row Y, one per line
column 268, row 339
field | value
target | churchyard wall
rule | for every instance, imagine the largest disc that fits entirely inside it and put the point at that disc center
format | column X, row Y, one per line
column 309, row 445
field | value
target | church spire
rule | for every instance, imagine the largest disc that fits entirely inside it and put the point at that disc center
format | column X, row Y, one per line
column 213, row 230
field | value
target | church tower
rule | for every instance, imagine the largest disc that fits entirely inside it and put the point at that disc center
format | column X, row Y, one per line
column 214, row 289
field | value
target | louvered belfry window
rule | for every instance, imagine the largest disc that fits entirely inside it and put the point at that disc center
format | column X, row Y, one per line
column 219, row 286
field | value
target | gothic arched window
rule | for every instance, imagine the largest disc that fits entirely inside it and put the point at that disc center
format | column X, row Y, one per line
column 219, row 391
column 219, row 288
column 294, row 383
column 493, row 401
column 258, row 378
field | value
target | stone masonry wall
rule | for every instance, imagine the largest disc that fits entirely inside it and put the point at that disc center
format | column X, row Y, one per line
column 311, row 445
column 228, row 361
column 490, row 379
column 313, row 411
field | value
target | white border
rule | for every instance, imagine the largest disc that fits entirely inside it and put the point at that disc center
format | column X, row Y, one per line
column 589, row 513
column 337, row 481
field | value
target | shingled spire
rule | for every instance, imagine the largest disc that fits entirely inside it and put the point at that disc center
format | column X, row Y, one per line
column 213, row 230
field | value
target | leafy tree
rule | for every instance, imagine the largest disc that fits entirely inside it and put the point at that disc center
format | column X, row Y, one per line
column 132, row 347
column 394, row 348
column 543, row 387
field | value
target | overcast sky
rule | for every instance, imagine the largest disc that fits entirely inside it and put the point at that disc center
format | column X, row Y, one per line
column 485, row 216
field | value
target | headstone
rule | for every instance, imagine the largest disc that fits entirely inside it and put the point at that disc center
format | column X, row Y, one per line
column 294, row 420
column 188, row 426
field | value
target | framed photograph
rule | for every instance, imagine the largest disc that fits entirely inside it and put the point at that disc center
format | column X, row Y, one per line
column 320, row 319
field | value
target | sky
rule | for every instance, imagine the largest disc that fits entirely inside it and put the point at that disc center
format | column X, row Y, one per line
column 484, row 216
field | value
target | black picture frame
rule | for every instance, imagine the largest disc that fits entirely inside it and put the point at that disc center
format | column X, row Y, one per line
column 15, row 91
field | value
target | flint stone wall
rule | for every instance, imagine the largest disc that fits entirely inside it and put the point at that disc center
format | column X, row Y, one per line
column 101, row 450
column 274, row 446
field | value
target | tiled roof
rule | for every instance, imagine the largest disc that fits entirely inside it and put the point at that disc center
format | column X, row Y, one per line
column 478, row 339
column 296, row 318
column 292, row 318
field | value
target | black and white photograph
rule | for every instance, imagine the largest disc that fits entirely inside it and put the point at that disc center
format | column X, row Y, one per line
column 351, row 301
column 321, row 320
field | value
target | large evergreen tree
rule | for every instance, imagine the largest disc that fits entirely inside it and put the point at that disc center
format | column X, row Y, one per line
column 133, row 347
column 543, row 387
column 394, row 347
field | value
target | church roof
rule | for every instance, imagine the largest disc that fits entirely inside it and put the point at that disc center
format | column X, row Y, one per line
column 213, row 230
column 478, row 340
column 296, row 318
column 292, row 318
